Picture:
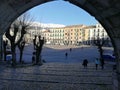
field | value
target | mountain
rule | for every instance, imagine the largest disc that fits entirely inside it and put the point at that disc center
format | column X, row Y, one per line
column 47, row 25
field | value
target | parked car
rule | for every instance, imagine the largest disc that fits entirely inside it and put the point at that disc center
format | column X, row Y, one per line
column 109, row 57
column 8, row 55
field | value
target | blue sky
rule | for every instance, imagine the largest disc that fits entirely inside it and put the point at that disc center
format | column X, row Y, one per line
column 61, row 12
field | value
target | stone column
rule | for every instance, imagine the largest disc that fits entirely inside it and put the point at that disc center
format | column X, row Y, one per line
column 116, row 75
column 1, row 50
column 116, row 81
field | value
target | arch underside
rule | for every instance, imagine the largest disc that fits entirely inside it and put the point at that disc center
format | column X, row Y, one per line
column 107, row 12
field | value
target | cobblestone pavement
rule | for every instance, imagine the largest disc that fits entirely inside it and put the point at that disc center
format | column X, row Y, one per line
column 56, row 76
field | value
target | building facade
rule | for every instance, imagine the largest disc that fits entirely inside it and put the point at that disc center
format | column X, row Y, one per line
column 73, row 34
column 68, row 35
column 57, row 36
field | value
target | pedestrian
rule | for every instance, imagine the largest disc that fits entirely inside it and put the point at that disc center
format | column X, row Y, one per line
column 96, row 63
column 66, row 55
column 70, row 49
column 85, row 62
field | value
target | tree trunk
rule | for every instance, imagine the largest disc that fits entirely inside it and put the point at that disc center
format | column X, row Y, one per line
column 40, row 55
column 13, row 55
column 37, row 56
column 21, row 54
column 4, row 52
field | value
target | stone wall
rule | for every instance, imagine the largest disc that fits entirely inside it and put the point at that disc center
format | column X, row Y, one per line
column 107, row 12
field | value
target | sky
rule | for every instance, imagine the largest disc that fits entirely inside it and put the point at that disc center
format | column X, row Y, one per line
column 61, row 12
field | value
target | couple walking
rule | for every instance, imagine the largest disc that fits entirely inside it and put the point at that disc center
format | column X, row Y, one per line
column 97, row 62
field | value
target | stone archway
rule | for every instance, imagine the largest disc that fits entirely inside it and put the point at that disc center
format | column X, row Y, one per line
column 107, row 12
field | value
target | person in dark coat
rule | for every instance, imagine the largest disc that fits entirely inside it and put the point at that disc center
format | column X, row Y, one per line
column 66, row 55
column 85, row 62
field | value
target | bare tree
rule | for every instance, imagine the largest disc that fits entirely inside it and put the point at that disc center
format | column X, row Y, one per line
column 13, row 41
column 25, row 22
column 38, row 47
column 19, row 26
column 21, row 46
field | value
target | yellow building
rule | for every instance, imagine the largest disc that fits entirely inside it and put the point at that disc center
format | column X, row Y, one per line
column 88, row 34
column 73, row 34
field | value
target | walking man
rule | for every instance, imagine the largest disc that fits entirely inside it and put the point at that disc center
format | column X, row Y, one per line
column 66, row 55
column 85, row 62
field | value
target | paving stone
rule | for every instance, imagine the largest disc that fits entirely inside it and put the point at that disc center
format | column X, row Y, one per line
column 56, row 76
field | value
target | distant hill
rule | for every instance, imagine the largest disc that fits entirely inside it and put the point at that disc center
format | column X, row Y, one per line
column 47, row 25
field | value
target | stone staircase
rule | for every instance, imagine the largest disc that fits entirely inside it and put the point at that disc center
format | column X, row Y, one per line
column 56, row 76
